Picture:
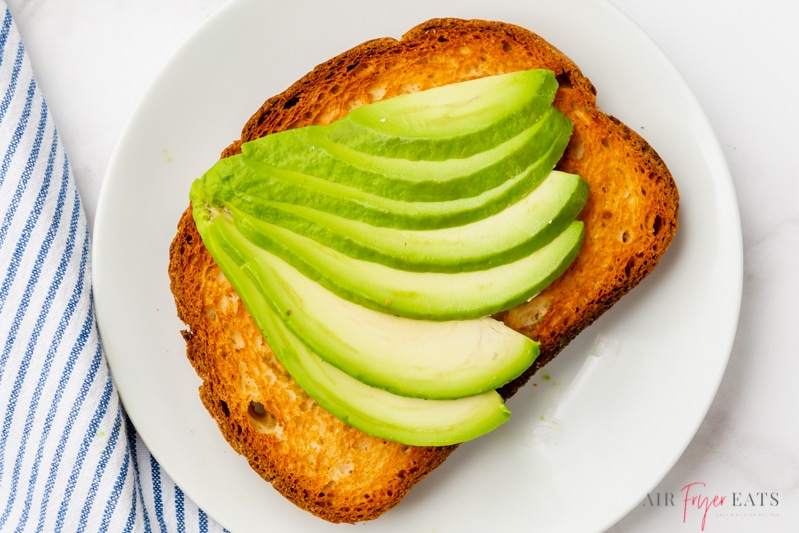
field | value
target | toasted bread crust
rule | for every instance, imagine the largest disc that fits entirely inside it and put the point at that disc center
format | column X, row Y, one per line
column 312, row 458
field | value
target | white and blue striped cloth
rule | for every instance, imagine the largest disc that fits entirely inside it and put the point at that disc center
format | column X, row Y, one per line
column 69, row 459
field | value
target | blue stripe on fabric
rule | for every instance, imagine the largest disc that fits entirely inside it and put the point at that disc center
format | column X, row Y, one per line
column 58, row 337
column 119, row 484
column 13, row 143
column 5, row 103
column 25, row 301
column 76, row 350
column 98, row 474
column 30, row 351
column 158, row 497
column 71, row 306
column 131, row 523
column 81, row 365
column 4, row 33
column 88, row 437
column 131, row 431
column 203, row 521
column 180, row 511
column 89, row 378
column 23, row 241
column 30, row 164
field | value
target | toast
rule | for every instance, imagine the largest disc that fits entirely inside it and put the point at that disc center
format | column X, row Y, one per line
column 312, row 458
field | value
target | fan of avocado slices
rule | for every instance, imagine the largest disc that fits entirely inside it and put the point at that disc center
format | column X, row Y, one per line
column 372, row 251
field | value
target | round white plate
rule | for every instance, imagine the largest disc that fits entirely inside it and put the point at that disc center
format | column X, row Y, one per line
column 594, row 432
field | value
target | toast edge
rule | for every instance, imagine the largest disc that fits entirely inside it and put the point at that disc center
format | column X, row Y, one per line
column 555, row 326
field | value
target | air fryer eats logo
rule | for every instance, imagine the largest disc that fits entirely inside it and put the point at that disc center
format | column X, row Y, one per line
column 699, row 504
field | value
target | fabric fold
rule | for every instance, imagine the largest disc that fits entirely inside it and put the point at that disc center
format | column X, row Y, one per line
column 70, row 460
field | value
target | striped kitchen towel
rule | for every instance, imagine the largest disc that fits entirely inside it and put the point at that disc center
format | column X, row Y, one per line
column 69, row 459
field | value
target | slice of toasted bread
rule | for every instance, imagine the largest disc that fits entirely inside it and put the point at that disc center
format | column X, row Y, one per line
column 312, row 458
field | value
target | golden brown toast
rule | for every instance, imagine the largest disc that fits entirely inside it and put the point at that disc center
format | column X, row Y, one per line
column 316, row 461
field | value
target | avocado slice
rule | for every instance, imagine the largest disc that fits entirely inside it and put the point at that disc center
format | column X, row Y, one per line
column 253, row 187
column 501, row 238
column 400, row 224
column 412, row 421
column 418, row 358
column 308, row 151
column 452, row 121
column 423, row 295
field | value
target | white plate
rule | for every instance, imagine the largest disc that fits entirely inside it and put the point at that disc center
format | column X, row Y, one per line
column 598, row 428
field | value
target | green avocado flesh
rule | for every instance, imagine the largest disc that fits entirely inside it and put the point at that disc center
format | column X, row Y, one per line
column 453, row 121
column 373, row 251
column 423, row 295
column 307, row 151
column 419, row 358
column 252, row 186
column 501, row 238
column 412, row 421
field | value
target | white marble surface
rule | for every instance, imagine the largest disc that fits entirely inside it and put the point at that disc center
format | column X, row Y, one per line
column 96, row 58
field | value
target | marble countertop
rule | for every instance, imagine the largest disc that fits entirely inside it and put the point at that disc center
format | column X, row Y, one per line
column 95, row 59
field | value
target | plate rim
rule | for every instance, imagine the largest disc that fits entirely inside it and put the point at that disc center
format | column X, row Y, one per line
column 106, row 190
